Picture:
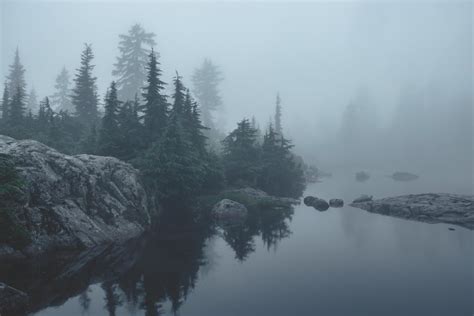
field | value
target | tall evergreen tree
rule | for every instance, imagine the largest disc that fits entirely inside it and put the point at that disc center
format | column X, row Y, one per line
column 61, row 99
column 206, row 80
column 278, row 126
column 16, row 77
column 130, row 68
column 84, row 97
column 173, row 161
column 108, row 144
column 280, row 173
column 156, row 106
column 241, row 155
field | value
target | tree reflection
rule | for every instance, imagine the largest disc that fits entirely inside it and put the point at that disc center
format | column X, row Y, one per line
column 148, row 273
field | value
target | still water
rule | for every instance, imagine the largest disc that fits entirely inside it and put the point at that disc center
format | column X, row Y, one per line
column 339, row 262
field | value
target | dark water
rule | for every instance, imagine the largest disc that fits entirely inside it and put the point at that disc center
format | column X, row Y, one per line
column 339, row 262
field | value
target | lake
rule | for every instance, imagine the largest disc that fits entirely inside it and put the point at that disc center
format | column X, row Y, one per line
column 340, row 262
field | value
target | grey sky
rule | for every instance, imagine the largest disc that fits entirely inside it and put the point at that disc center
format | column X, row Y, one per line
column 317, row 55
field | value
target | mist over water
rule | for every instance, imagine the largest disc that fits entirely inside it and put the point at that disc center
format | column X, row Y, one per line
column 376, row 97
column 405, row 68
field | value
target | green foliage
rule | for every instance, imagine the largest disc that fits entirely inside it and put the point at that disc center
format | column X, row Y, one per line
column 156, row 106
column 109, row 136
column 280, row 174
column 242, row 155
column 11, row 198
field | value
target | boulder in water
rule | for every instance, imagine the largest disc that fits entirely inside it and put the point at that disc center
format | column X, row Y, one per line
column 336, row 203
column 319, row 204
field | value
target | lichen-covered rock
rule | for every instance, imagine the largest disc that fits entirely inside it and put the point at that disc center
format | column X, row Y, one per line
column 228, row 210
column 76, row 201
column 432, row 208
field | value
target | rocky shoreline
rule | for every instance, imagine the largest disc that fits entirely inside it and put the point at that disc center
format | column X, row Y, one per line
column 74, row 202
column 430, row 208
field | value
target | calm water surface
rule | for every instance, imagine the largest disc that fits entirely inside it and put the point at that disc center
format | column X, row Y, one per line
column 339, row 262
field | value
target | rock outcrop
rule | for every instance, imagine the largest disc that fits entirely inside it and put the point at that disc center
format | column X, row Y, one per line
column 432, row 208
column 75, row 201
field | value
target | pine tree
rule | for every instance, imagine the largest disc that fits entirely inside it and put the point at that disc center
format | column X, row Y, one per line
column 280, row 173
column 130, row 68
column 16, row 77
column 173, row 162
column 156, row 106
column 61, row 99
column 241, row 155
column 206, row 80
column 278, row 126
column 108, row 144
column 84, row 96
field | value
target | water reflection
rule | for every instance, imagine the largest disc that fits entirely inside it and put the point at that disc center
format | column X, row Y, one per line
column 146, row 274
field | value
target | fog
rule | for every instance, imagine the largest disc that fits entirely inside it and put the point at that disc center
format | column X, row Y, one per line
column 406, row 67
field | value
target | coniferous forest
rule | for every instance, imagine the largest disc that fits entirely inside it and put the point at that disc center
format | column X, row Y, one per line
column 171, row 139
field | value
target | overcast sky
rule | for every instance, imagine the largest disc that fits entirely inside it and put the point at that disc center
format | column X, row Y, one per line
column 316, row 54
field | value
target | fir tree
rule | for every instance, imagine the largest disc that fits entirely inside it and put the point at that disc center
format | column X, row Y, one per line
column 61, row 99
column 241, row 155
column 278, row 126
column 156, row 106
column 108, row 143
column 280, row 174
column 206, row 80
column 16, row 77
column 130, row 68
column 84, row 96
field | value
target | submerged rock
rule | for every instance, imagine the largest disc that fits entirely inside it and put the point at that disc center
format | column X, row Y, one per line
column 363, row 198
column 431, row 208
column 75, row 201
column 404, row 176
column 362, row 176
column 12, row 301
column 317, row 203
column 258, row 196
column 336, row 203
column 228, row 210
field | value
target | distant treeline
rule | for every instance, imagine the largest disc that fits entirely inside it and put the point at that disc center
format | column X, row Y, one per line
column 167, row 138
